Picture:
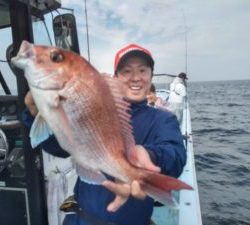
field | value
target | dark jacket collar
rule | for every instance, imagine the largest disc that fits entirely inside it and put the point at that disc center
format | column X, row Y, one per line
column 136, row 106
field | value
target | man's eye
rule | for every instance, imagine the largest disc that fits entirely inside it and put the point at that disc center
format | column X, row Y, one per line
column 56, row 56
column 125, row 72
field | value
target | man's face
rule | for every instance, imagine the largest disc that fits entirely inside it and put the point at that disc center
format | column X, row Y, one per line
column 136, row 75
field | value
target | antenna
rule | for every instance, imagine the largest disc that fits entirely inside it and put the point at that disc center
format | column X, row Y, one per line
column 87, row 28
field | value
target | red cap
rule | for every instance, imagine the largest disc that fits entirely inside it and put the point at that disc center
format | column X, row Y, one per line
column 132, row 48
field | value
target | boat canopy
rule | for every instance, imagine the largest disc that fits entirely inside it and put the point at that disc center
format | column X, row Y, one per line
column 36, row 8
column 163, row 80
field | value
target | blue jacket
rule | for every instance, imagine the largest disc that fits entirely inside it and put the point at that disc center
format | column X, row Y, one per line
column 158, row 131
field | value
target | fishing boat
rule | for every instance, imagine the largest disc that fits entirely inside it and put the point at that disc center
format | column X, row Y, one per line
column 26, row 174
column 188, row 209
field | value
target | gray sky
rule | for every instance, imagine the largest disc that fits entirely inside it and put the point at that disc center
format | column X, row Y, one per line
column 217, row 31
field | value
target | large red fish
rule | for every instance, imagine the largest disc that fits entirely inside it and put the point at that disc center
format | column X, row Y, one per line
column 88, row 115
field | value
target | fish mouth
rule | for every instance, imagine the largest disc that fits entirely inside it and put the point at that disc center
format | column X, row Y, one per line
column 25, row 51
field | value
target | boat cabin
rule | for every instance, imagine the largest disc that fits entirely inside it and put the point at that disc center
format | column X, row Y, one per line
column 24, row 171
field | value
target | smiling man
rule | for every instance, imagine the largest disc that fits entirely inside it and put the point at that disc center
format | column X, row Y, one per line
column 155, row 131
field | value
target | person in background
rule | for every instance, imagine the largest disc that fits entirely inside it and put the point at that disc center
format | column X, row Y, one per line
column 177, row 95
column 160, row 142
column 155, row 101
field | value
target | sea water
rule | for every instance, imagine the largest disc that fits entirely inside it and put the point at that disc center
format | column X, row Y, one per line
column 220, row 114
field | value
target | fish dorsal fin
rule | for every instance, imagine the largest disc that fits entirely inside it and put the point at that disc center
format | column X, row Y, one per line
column 123, row 108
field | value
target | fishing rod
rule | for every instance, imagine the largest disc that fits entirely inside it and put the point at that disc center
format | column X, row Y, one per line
column 186, row 71
column 87, row 28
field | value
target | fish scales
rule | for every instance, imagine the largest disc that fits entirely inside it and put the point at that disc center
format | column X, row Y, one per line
column 95, row 118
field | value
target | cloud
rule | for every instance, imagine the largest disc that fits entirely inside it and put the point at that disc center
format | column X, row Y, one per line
column 145, row 22
column 217, row 33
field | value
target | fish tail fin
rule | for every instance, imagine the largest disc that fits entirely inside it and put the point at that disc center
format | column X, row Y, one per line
column 158, row 186
column 39, row 131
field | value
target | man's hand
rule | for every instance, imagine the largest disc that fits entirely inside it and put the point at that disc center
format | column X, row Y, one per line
column 29, row 102
column 124, row 190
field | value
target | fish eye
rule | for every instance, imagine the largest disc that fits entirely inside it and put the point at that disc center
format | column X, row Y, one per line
column 56, row 56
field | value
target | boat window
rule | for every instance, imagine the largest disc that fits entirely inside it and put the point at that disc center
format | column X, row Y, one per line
column 42, row 30
column 7, row 74
column 4, row 14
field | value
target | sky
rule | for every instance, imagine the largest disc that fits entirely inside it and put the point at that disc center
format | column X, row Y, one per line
column 217, row 31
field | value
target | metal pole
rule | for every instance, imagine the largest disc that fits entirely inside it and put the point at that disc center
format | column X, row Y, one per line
column 87, row 28
column 4, row 85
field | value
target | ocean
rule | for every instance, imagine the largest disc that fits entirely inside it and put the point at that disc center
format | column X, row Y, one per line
column 220, row 112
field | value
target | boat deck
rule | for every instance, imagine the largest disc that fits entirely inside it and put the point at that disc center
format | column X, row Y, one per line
column 188, row 211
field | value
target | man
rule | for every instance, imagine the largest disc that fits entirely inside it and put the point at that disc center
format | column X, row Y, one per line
column 157, row 132
column 177, row 96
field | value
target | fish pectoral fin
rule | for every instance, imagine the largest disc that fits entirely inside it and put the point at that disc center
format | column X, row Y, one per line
column 90, row 176
column 39, row 131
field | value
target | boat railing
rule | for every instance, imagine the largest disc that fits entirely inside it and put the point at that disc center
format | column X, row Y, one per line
column 188, row 210
column 163, row 80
